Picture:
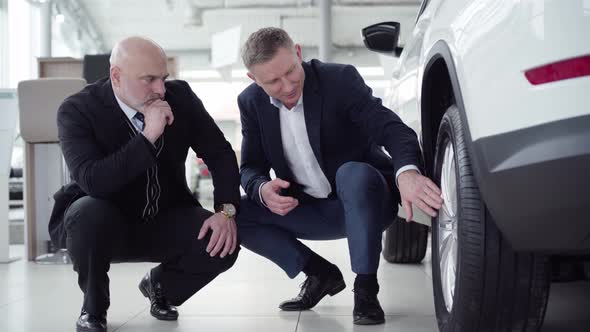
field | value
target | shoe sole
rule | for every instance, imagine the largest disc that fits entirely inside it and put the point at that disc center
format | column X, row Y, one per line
column 82, row 329
column 368, row 321
column 164, row 318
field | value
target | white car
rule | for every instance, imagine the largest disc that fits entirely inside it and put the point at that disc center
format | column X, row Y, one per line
column 499, row 94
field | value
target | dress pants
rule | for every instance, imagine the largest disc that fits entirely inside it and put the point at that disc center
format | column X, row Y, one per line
column 362, row 209
column 99, row 234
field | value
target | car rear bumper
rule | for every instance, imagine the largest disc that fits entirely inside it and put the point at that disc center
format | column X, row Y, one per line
column 536, row 185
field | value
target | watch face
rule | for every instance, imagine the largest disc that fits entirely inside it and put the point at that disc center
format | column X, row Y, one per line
column 229, row 209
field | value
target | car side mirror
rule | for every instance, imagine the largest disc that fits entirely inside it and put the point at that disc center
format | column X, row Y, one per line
column 383, row 38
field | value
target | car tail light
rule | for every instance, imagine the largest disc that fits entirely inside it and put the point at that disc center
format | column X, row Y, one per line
column 558, row 71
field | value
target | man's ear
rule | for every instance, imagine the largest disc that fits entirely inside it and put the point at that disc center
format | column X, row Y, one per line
column 252, row 77
column 298, row 52
column 115, row 74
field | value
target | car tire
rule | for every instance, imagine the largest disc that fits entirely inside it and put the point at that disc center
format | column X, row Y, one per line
column 488, row 286
column 405, row 242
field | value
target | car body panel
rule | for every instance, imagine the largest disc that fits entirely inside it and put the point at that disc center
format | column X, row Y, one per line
column 484, row 37
column 535, row 183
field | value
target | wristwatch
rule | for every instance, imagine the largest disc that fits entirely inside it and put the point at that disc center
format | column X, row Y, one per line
column 228, row 210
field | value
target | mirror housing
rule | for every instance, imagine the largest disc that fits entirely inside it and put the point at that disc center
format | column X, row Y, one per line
column 383, row 38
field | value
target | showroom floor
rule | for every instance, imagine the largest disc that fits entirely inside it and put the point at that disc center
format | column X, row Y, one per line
column 36, row 297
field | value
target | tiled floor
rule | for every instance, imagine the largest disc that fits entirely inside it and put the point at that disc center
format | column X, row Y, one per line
column 45, row 298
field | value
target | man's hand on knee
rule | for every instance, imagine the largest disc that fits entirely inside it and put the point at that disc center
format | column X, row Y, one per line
column 224, row 239
column 417, row 189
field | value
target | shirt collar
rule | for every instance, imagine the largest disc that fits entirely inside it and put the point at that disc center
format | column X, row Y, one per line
column 278, row 104
column 129, row 112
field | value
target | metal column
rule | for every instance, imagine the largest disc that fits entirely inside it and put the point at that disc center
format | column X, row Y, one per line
column 45, row 36
column 325, row 45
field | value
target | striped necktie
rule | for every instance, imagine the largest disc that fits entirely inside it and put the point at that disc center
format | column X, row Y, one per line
column 140, row 120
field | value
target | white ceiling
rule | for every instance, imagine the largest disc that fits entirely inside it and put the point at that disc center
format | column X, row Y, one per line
column 171, row 23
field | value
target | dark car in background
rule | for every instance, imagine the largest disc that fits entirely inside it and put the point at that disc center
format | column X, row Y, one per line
column 15, row 179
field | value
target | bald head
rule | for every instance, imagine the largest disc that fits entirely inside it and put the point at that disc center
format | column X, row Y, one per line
column 134, row 47
column 138, row 71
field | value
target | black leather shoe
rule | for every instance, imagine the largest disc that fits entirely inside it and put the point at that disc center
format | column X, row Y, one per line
column 91, row 323
column 314, row 289
column 160, row 308
column 367, row 310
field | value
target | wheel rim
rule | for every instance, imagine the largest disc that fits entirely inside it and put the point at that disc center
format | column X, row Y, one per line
column 447, row 227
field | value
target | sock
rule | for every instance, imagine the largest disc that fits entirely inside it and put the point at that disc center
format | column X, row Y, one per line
column 367, row 282
column 316, row 265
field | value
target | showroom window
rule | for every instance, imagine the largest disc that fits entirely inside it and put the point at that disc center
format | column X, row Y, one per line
column 20, row 39
column 3, row 44
column 23, row 41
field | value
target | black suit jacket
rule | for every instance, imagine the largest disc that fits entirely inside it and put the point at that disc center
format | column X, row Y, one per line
column 108, row 159
column 344, row 121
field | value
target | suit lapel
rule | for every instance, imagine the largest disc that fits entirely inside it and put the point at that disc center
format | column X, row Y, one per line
column 272, row 127
column 312, row 108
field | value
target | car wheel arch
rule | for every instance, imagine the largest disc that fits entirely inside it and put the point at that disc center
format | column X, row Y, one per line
column 440, row 89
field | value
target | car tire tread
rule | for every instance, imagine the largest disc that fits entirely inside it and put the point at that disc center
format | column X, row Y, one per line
column 497, row 289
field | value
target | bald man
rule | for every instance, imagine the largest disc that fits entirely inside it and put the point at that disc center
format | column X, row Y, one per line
column 125, row 140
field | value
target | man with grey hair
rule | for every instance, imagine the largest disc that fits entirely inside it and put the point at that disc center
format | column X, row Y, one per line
column 125, row 140
column 318, row 126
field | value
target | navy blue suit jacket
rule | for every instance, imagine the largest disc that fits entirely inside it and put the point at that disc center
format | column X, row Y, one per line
column 344, row 121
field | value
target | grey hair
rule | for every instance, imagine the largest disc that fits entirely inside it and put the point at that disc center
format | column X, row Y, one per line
column 263, row 44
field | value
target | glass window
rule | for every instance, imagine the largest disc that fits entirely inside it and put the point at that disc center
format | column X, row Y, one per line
column 23, row 41
column 3, row 44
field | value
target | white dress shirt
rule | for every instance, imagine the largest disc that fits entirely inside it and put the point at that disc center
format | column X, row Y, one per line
column 298, row 153
column 130, row 113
